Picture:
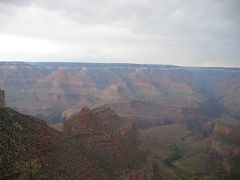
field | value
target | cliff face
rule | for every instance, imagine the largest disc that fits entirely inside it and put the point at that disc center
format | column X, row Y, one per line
column 2, row 98
column 225, row 141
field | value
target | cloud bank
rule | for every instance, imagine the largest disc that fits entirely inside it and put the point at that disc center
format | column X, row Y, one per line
column 179, row 32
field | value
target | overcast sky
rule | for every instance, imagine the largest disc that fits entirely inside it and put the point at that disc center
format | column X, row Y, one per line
column 178, row 32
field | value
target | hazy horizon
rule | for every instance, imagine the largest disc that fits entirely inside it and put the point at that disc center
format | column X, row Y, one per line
column 184, row 33
column 125, row 63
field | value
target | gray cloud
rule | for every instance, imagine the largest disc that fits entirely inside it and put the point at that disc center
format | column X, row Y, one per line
column 183, row 32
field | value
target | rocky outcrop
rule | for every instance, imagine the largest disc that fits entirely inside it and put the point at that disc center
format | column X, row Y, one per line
column 222, row 130
column 2, row 99
column 113, row 141
column 62, row 79
column 85, row 112
column 225, row 140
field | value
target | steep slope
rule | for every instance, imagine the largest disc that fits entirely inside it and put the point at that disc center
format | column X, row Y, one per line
column 61, row 80
column 63, row 87
column 116, row 92
column 31, row 149
column 141, row 83
column 54, row 93
column 113, row 141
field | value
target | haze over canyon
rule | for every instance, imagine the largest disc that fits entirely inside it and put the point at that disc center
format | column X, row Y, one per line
column 121, row 121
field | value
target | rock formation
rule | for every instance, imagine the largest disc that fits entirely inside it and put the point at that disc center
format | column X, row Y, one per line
column 225, row 141
column 2, row 98
column 85, row 111
column 222, row 130
column 110, row 139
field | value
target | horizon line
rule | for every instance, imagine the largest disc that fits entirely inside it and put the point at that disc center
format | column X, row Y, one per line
column 120, row 63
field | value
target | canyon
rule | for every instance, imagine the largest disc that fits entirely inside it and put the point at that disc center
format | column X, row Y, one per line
column 122, row 121
column 91, row 146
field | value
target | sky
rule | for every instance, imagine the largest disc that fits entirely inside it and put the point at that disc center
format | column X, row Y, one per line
column 176, row 32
